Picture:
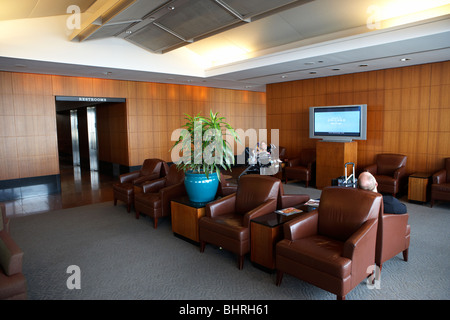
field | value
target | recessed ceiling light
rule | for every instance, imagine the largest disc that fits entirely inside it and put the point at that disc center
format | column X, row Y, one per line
column 309, row 63
column 283, row 76
column 320, row 61
column 312, row 72
column 171, row 7
column 19, row 65
column 404, row 59
column 363, row 65
column 335, row 69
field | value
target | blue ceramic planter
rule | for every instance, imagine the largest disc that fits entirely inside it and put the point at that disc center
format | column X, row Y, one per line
column 199, row 188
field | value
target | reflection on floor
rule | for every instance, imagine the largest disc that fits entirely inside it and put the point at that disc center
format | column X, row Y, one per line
column 78, row 188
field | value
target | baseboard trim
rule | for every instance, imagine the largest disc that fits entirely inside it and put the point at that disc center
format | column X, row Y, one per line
column 29, row 187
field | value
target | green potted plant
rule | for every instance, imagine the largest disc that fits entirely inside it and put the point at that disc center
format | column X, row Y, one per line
column 205, row 152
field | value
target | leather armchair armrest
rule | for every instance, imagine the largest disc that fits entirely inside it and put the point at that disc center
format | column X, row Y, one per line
column 400, row 172
column 128, row 177
column 229, row 189
column 372, row 168
column 360, row 249
column 291, row 200
column 4, row 221
column 154, row 185
column 149, row 177
column 393, row 224
column 439, row 177
column 293, row 162
column 10, row 255
column 173, row 191
column 222, row 206
column 362, row 241
column 265, row 208
column 303, row 226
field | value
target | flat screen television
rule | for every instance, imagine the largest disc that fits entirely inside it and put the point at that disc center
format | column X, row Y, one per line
column 338, row 123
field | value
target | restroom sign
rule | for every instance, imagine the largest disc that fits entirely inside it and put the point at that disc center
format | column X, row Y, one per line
column 89, row 99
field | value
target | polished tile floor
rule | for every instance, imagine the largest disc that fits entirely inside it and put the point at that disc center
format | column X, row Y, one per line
column 78, row 188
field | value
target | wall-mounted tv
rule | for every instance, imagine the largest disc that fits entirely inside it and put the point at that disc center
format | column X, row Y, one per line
column 338, row 123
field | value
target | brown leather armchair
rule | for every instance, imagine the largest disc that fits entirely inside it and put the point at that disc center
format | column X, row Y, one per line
column 282, row 153
column 227, row 221
column 13, row 285
column 302, row 167
column 440, row 185
column 334, row 246
column 4, row 221
column 393, row 237
column 390, row 172
column 290, row 200
column 124, row 189
column 155, row 199
column 225, row 188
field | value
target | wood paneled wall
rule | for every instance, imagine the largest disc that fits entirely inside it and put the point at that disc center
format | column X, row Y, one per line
column 112, row 133
column 28, row 134
column 408, row 112
column 28, row 138
column 157, row 110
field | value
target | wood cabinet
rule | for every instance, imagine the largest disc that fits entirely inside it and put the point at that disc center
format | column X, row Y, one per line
column 185, row 216
column 263, row 241
column 418, row 187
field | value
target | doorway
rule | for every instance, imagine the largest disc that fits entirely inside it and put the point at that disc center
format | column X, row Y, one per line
column 83, row 178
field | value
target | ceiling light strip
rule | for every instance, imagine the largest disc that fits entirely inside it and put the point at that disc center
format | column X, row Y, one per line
column 231, row 10
column 171, row 32
column 122, row 22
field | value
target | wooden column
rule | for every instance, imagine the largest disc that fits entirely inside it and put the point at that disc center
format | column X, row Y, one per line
column 331, row 158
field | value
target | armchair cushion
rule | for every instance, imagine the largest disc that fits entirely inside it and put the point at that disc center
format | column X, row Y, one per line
column 319, row 253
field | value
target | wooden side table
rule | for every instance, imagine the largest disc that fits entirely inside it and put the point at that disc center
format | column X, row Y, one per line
column 265, row 232
column 418, row 187
column 185, row 216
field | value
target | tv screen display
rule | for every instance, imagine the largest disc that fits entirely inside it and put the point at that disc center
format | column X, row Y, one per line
column 338, row 123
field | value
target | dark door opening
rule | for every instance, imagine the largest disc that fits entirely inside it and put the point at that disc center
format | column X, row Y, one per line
column 79, row 144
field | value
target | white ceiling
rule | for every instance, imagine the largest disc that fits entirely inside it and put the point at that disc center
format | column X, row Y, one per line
column 324, row 37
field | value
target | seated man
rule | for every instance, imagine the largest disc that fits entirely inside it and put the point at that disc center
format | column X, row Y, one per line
column 262, row 148
column 367, row 181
